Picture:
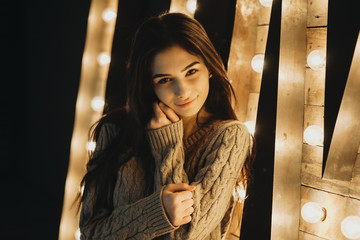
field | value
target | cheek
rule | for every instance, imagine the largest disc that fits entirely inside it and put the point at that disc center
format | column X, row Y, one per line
column 162, row 94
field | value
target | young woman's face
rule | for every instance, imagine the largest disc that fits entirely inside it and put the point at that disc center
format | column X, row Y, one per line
column 181, row 80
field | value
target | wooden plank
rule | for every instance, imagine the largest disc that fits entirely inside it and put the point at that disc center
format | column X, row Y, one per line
column 317, row 13
column 289, row 124
column 262, row 35
column 346, row 137
column 337, row 208
column 315, row 87
column 316, row 39
column 311, row 174
column 308, row 236
column 242, row 50
column 264, row 15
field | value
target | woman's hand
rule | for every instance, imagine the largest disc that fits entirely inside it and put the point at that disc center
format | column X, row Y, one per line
column 178, row 201
column 164, row 115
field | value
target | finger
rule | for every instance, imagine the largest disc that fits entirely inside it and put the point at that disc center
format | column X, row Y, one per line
column 183, row 196
column 177, row 187
column 187, row 203
column 157, row 111
column 186, row 219
column 188, row 211
column 169, row 112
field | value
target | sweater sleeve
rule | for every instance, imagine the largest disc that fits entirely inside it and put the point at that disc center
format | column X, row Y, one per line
column 224, row 155
column 143, row 219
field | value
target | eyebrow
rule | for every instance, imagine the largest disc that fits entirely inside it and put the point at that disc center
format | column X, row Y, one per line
column 187, row 67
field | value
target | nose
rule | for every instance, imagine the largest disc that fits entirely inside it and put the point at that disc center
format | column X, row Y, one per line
column 181, row 89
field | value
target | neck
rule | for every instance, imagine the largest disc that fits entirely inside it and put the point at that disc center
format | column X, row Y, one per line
column 190, row 125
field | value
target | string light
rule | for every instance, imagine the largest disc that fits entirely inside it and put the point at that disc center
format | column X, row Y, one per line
column 266, row 3
column 314, row 135
column 90, row 146
column 350, row 227
column 239, row 193
column 316, row 60
column 257, row 63
column 312, row 212
column 250, row 126
column 191, row 6
column 97, row 104
column 103, row 59
column 108, row 15
column 77, row 234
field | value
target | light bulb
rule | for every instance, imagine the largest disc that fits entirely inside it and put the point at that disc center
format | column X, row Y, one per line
column 97, row 104
column 191, row 6
column 250, row 126
column 239, row 193
column 77, row 234
column 312, row 212
column 108, row 15
column 257, row 63
column 350, row 227
column 90, row 146
column 103, row 59
column 266, row 3
column 316, row 60
column 314, row 135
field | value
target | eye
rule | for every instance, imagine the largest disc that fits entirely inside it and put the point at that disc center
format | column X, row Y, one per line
column 164, row 80
column 191, row 72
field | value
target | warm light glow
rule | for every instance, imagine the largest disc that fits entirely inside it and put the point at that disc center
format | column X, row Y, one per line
column 250, row 126
column 266, row 3
column 350, row 227
column 103, row 59
column 97, row 104
column 191, row 6
column 108, row 15
column 312, row 212
column 257, row 63
column 90, row 146
column 314, row 135
column 316, row 60
column 77, row 234
column 239, row 193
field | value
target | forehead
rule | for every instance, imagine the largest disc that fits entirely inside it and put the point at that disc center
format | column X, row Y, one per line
column 173, row 59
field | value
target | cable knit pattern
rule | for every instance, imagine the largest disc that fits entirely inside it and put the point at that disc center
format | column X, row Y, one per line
column 223, row 147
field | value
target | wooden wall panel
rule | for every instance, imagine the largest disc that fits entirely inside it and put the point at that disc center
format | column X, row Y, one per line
column 289, row 122
column 337, row 208
column 317, row 13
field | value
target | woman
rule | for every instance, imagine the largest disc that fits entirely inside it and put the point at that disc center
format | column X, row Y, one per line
column 166, row 165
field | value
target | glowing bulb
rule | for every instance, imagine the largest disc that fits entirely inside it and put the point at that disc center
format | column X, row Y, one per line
column 266, row 3
column 97, row 104
column 312, row 212
column 239, row 193
column 108, row 15
column 350, row 227
column 316, row 60
column 250, row 126
column 103, row 59
column 314, row 135
column 191, row 6
column 257, row 63
column 90, row 146
column 77, row 234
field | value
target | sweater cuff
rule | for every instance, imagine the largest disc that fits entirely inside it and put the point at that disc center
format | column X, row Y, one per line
column 168, row 135
column 157, row 216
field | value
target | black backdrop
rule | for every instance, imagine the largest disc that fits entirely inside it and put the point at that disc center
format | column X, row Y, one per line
column 42, row 46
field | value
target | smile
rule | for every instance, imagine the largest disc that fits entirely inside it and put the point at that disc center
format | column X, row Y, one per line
column 186, row 103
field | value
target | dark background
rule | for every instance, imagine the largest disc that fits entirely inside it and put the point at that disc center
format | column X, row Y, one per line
column 42, row 46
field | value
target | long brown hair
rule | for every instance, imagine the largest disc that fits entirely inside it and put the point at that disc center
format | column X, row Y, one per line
column 154, row 35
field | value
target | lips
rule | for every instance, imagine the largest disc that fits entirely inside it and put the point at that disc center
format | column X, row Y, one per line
column 184, row 104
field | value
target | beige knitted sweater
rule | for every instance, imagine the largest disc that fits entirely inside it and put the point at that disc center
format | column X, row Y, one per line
column 213, row 169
